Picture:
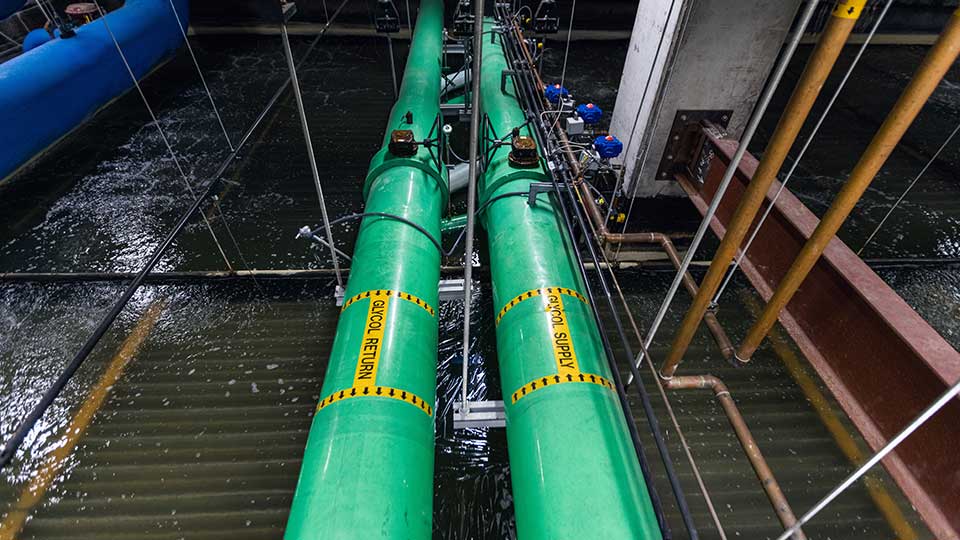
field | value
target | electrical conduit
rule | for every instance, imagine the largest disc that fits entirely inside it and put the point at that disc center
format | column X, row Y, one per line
column 368, row 465
column 574, row 470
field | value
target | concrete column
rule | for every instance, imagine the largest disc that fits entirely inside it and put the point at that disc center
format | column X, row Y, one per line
column 715, row 55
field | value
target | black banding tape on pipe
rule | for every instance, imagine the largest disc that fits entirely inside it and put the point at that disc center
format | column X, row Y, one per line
column 387, row 293
column 539, row 292
column 377, row 392
column 551, row 380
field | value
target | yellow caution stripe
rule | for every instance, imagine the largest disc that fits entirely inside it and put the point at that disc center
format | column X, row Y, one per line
column 539, row 292
column 552, row 380
column 377, row 392
column 848, row 9
column 383, row 293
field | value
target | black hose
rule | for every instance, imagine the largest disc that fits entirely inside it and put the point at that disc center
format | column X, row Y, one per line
column 621, row 393
column 644, row 396
column 27, row 424
column 433, row 239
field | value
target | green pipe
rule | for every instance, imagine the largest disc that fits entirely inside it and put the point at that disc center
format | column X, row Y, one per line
column 573, row 467
column 368, row 464
column 453, row 223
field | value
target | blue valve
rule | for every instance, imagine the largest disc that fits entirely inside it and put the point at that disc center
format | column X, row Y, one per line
column 608, row 146
column 554, row 92
column 590, row 113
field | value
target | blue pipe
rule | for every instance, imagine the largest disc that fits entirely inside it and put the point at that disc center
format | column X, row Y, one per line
column 48, row 91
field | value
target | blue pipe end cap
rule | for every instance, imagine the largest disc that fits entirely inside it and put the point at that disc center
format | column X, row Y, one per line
column 554, row 92
column 589, row 112
column 35, row 39
column 608, row 146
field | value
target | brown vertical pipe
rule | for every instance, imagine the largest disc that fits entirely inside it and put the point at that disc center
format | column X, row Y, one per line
column 749, row 444
column 727, row 348
column 804, row 95
column 925, row 81
column 709, row 318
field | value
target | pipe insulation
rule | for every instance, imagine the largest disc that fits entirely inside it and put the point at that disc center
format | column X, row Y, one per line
column 368, row 464
column 574, row 470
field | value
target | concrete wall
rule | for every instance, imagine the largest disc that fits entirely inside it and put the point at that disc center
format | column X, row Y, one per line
column 717, row 54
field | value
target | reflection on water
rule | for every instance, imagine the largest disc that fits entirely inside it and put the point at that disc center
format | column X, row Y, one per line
column 202, row 435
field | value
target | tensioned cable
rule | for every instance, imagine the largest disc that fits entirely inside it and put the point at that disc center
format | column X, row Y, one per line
column 643, row 100
column 31, row 419
column 566, row 54
column 214, row 201
column 928, row 413
column 909, row 187
column 657, row 110
column 533, row 96
column 748, row 133
column 803, row 150
column 663, row 395
column 163, row 135
column 203, row 79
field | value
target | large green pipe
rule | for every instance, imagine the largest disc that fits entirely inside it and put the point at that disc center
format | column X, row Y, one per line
column 368, row 465
column 574, row 470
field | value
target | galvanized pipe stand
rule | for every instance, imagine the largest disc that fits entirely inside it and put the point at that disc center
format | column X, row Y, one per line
column 844, row 17
column 368, row 465
column 940, row 58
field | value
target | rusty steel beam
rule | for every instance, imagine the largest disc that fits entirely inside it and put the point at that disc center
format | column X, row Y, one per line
column 879, row 358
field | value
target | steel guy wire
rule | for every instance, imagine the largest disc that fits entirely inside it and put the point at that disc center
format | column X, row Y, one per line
column 928, row 413
column 163, row 135
column 203, row 79
column 751, row 128
column 643, row 100
column 803, row 150
column 909, row 187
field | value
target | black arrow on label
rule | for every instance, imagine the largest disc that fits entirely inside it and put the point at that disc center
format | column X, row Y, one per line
column 850, row 11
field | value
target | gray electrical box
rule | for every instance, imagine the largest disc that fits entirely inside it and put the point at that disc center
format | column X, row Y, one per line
column 574, row 125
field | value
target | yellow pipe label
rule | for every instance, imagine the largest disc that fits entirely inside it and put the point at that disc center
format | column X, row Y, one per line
column 849, row 9
column 568, row 368
column 371, row 345
column 369, row 358
column 538, row 292
column 563, row 351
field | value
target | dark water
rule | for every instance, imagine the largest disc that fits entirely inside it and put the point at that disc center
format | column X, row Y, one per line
column 927, row 223
column 202, row 435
